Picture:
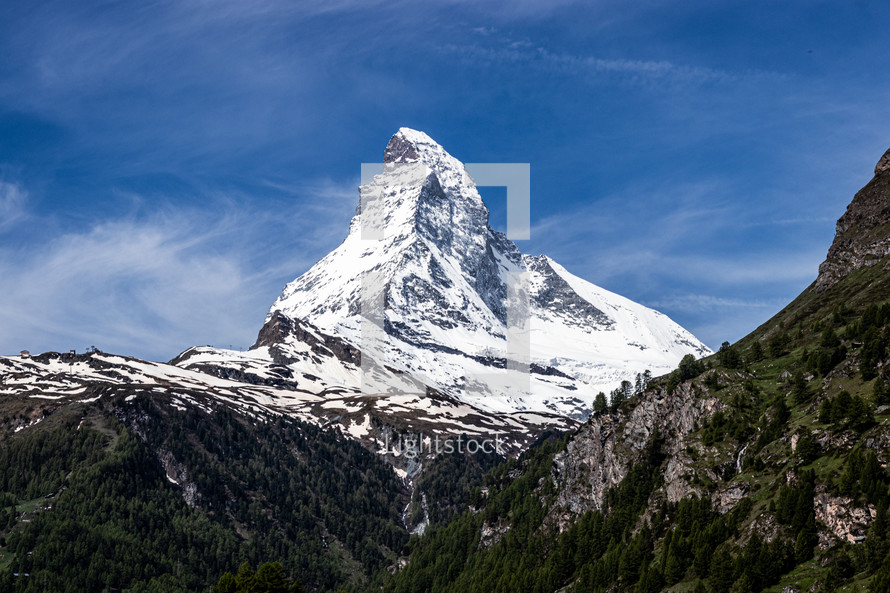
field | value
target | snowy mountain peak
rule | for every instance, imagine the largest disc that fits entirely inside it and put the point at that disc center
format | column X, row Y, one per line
column 412, row 158
column 412, row 146
column 420, row 241
column 406, row 145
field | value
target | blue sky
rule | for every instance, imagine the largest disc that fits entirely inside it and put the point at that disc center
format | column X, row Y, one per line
column 166, row 167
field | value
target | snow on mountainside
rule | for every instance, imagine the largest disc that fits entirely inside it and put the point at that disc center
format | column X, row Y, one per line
column 444, row 275
column 251, row 384
column 627, row 338
column 421, row 244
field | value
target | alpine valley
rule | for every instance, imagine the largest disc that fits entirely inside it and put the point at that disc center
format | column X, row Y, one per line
column 312, row 462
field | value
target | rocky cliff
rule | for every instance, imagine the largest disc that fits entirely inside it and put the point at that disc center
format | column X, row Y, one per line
column 601, row 452
column 862, row 237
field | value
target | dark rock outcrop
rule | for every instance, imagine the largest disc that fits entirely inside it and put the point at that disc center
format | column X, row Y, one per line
column 279, row 328
column 863, row 232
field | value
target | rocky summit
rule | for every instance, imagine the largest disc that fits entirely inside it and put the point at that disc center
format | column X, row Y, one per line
column 445, row 279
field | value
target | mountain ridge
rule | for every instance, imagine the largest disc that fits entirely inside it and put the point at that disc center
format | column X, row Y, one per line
column 446, row 277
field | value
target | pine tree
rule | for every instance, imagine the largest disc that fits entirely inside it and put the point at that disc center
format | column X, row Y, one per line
column 650, row 580
column 744, row 584
column 825, row 414
column 848, row 484
column 666, row 548
column 631, row 560
column 799, row 389
column 803, row 508
column 880, row 393
column 756, row 351
column 871, row 476
column 627, row 389
column 616, row 398
column 876, row 544
column 840, row 407
column 226, row 584
column 270, row 578
column 689, row 368
column 782, row 413
column 674, row 570
column 806, row 540
column 728, row 357
column 778, row 344
column 881, row 582
column 245, row 578
column 702, row 561
column 807, row 449
column 599, row 403
column 829, row 339
column 722, row 574
column 860, row 416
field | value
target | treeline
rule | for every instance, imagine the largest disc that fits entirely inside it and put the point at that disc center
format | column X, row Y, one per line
column 116, row 524
column 251, row 490
column 313, row 498
column 871, row 329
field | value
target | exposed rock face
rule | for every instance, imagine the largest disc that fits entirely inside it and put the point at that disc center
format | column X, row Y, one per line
column 572, row 308
column 730, row 496
column 883, row 164
column 178, row 474
column 863, row 232
column 279, row 327
column 400, row 150
column 604, row 449
column 847, row 522
column 492, row 533
column 765, row 526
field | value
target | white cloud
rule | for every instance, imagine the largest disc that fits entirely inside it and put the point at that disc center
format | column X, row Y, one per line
column 638, row 70
column 701, row 302
column 155, row 285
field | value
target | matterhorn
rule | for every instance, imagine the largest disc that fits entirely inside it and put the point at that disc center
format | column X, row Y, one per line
column 423, row 288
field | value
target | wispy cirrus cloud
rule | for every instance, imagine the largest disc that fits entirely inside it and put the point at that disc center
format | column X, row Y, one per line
column 699, row 302
column 168, row 278
column 641, row 70
column 720, row 318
